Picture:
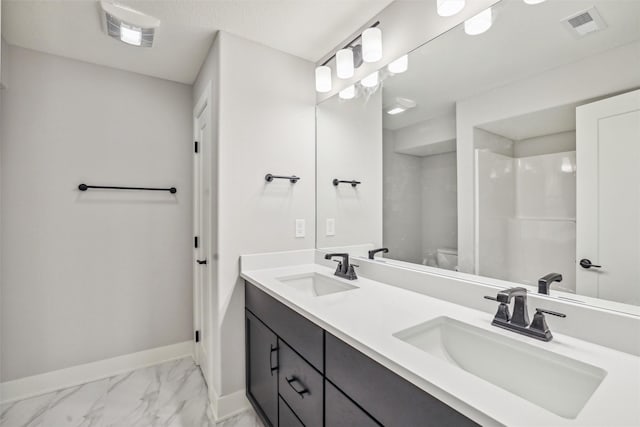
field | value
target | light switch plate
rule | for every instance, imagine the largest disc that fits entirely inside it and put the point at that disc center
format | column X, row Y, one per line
column 300, row 228
column 331, row 227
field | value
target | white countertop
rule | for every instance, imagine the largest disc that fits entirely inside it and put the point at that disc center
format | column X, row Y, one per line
column 367, row 317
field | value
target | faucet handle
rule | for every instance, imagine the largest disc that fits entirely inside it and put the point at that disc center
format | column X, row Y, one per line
column 553, row 313
column 491, row 298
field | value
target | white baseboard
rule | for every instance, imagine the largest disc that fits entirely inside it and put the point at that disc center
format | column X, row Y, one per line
column 23, row 388
column 227, row 406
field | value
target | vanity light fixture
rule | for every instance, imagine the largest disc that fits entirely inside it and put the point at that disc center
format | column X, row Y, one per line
column 371, row 80
column 350, row 57
column 534, row 1
column 348, row 92
column 450, row 7
column 344, row 63
column 372, row 44
column 323, row 79
column 129, row 25
column 400, row 65
column 479, row 23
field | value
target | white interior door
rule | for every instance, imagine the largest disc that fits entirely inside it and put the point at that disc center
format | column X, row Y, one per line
column 203, row 259
column 608, row 198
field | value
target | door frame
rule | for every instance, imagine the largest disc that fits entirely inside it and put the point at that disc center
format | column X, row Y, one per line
column 204, row 101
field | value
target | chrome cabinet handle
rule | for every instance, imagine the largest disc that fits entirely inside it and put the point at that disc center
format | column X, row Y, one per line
column 301, row 391
column 586, row 263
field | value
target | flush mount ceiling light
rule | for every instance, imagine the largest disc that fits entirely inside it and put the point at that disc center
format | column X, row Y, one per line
column 534, row 1
column 401, row 105
column 372, row 44
column 128, row 25
column 400, row 65
column 479, row 23
column 371, row 80
column 348, row 92
column 323, row 79
column 344, row 63
column 450, row 7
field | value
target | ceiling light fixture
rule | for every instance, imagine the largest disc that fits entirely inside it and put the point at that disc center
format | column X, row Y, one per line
column 479, row 23
column 323, row 79
column 450, row 7
column 348, row 92
column 401, row 105
column 128, row 25
column 372, row 44
column 371, row 80
column 534, row 1
column 344, row 63
column 400, row 65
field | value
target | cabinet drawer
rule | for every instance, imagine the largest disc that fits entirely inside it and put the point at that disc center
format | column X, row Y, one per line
column 300, row 386
column 297, row 331
column 340, row 411
column 389, row 398
column 287, row 417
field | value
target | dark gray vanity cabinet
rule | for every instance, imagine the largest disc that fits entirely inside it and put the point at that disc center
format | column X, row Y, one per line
column 300, row 375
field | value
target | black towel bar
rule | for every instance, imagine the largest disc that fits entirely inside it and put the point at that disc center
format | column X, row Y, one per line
column 85, row 187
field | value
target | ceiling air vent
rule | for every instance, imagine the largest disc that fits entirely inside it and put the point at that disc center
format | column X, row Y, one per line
column 585, row 22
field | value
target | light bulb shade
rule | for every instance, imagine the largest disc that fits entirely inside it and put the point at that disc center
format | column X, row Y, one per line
column 323, row 79
column 371, row 80
column 344, row 63
column 450, row 7
column 372, row 45
column 348, row 92
column 533, row 1
column 400, row 65
column 479, row 23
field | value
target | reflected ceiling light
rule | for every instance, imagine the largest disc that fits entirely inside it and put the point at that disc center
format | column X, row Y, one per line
column 348, row 92
column 372, row 44
column 479, row 23
column 344, row 63
column 128, row 25
column 323, row 79
column 401, row 105
column 400, row 65
column 450, row 7
column 371, row 80
column 534, row 1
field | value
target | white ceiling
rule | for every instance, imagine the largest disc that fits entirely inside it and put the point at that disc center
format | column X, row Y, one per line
column 524, row 41
column 72, row 28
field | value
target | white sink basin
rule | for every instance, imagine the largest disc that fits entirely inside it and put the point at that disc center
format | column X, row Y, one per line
column 315, row 284
column 554, row 382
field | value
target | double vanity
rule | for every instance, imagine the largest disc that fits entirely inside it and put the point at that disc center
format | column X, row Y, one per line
column 326, row 351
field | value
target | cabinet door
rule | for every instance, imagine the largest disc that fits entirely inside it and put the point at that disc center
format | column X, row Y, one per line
column 340, row 411
column 262, row 367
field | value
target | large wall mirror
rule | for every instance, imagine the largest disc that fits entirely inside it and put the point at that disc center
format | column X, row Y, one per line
column 509, row 154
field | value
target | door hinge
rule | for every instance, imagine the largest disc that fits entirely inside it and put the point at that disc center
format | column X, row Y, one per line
column 195, row 242
column 197, row 336
column 195, row 146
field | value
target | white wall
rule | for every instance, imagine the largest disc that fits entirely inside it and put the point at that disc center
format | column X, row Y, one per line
column 582, row 80
column 88, row 276
column 402, row 205
column 547, row 144
column 266, row 123
column 439, row 204
column 349, row 146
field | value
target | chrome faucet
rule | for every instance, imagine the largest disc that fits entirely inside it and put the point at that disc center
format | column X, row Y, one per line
column 545, row 282
column 344, row 270
column 519, row 322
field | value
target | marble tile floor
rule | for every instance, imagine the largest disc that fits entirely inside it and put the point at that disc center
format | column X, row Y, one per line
column 171, row 394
